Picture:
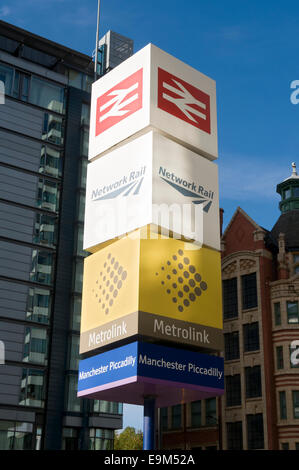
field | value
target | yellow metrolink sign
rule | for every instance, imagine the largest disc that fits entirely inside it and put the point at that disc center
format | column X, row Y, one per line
column 162, row 289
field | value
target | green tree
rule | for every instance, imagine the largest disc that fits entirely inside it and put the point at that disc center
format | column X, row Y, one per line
column 129, row 439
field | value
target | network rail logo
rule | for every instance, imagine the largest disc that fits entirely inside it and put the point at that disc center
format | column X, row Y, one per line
column 128, row 184
column 119, row 102
column 199, row 194
column 183, row 100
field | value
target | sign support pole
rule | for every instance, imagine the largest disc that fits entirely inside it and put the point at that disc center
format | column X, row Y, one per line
column 149, row 423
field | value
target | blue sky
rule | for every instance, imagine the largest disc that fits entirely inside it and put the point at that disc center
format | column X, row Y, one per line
column 249, row 47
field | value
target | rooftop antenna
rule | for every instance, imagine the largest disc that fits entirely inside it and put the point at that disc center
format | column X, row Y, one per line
column 97, row 44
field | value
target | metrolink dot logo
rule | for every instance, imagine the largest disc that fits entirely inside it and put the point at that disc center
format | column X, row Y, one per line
column 119, row 102
column 111, row 279
column 181, row 281
column 183, row 100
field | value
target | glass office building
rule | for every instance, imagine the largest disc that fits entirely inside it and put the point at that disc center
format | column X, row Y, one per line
column 43, row 159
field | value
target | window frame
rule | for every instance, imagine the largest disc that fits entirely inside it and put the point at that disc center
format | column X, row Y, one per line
column 251, row 337
column 290, row 315
column 252, row 435
column 230, row 298
column 253, row 382
column 236, row 432
column 232, row 347
column 249, row 291
column 233, row 390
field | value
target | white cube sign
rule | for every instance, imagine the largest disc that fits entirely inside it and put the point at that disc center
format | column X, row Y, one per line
column 152, row 180
column 154, row 90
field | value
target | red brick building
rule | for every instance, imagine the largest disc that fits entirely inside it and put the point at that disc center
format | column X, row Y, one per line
column 260, row 408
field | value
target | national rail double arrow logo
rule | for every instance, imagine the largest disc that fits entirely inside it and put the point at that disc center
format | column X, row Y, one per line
column 183, row 100
column 119, row 102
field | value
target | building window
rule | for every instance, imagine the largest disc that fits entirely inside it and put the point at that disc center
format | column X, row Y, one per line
column 287, row 193
column 249, row 291
column 16, row 436
column 282, row 405
column 79, row 242
column 70, row 439
column 211, row 419
column 42, row 267
column 292, row 312
column 230, row 298
column 231, row 342
column 41, row 58
column 74, row 353
column 53, row 129
column 6, row 77
column 285, row 446
column 38, row 438
column 101, row 439
column 50, row 161
column 21, row 86
column 85, row 114
column 233, row 390
column 75, row 79
column 296, row 404
column 176, row 417
column 76, row 313
column 279, row 357
column 253, row 382
column 234, row 436
column 196, row 414
column 45, row 230
column 294, row 355
column 38, row 305
column 47, row 95
column 251, row 337
column 48, row 195
column 81, row 207
column 108, row 407
column 277, row 314
column 80, row 80
column 73, row 402
column 32, row 388
column 255, row 431
column 78, row 278
column 84, row 142
column 164, row 418
column 297, row 446
column 35, row 345
column 83, row 173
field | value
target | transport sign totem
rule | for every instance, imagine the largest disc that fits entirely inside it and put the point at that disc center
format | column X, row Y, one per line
column 151, row 320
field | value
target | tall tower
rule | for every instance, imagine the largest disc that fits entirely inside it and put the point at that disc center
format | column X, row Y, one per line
column 289, row 191
column 286, row 229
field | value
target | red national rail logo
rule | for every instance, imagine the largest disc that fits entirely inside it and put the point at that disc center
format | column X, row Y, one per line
column 119, row 102
column 185, row 101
